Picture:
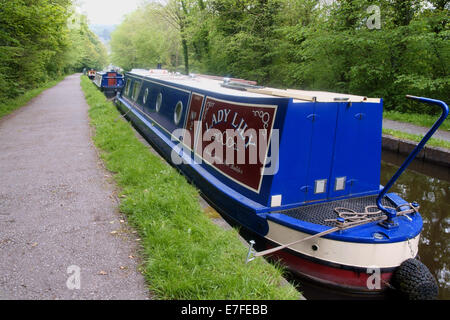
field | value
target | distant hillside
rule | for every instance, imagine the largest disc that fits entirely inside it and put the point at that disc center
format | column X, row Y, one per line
column 103, row 31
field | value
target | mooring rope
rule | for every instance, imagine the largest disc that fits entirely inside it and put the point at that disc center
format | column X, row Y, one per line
column 347, row 218
column 122, row 115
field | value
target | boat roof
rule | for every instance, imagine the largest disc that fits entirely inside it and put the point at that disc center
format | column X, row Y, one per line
column 246, row 88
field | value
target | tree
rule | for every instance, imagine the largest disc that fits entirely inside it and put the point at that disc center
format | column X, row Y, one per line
column 176, row 12
column 144, row 39
column 241, row 37
column 308, row 44
column 37, row 44
column 33, row 35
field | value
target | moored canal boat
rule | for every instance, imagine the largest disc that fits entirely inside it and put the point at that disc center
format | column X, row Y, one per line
column 110, row 82
column 91, row 74
column 299, row 170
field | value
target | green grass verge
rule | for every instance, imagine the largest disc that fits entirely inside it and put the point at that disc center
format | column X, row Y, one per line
column 186, row 255
column 8, row 106
column 416, row 138
column 423, row 120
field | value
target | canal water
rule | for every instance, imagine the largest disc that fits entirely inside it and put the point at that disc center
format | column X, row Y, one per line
column 428, row 185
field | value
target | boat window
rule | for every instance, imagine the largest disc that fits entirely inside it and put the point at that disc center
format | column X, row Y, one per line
column 178, row 112
column 158, row 102
column 127, row 87
column 144, row 98
column 136, row 90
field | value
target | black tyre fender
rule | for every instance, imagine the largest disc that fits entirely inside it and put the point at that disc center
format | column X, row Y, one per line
column 413, row 281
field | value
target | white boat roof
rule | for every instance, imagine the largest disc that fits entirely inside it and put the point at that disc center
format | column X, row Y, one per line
column 214, row 84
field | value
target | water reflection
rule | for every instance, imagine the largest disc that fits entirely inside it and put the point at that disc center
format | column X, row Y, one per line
column 432, row 191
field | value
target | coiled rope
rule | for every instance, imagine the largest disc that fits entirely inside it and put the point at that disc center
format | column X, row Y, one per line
column 347, row 218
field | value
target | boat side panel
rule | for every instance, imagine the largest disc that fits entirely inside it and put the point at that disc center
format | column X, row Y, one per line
column 291, row 179
column 238, row 208
column 164, row 120
column 243, row 153
column 170, row 98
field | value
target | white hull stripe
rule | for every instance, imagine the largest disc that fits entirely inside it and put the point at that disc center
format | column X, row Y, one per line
column 351, row 254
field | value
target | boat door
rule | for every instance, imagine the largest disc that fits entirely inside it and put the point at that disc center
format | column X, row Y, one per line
column 321, row 151
column 343, row 158
column 357, row 160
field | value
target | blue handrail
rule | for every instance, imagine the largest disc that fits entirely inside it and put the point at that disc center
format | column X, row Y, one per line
column 391, row 213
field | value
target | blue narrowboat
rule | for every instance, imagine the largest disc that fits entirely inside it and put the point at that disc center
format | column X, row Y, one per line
column 110, row 82
column 298, row 170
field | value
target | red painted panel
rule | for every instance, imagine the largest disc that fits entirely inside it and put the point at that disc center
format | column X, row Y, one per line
column 195, row 109
column 112, row 82
column 236, row 138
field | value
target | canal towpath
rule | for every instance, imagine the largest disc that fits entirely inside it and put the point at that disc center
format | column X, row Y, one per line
column 61, row 234
column 414, row 129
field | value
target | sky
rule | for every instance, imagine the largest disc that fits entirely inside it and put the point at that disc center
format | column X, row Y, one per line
column 107, row 11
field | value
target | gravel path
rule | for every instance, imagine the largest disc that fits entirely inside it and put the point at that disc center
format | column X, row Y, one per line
column 413, row 129
column 58, row 213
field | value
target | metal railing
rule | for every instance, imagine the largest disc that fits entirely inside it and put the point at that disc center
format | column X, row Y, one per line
column 392, row 213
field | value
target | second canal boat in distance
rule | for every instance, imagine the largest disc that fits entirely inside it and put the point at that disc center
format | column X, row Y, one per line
column 110, row 82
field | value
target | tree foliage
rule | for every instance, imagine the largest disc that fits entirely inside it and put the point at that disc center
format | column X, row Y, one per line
column 311, row 44
column 39, row 41
column 85, row 50
column 145, row 38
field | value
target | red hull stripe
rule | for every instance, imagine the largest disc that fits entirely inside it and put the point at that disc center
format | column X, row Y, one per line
column 344, row 278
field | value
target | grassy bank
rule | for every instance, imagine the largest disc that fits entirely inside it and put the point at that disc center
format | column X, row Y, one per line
column 8, row 106
column 186, row 255
column 416, row 138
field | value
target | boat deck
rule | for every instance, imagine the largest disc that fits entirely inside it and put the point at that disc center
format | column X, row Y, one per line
column 318, row 213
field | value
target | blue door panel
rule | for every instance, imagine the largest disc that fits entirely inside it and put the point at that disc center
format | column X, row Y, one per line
column 321, row 150
column 346, row 146
column 291, row 179
column 368, row 156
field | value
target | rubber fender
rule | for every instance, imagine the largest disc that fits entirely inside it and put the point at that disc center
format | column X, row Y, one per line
column 413, row 281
